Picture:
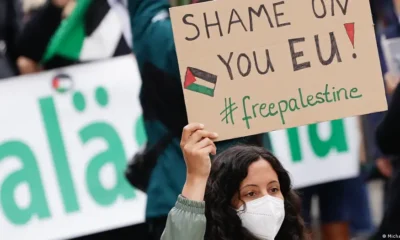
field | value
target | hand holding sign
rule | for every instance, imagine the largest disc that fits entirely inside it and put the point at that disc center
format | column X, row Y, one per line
column 253, row 66
column 197, row 145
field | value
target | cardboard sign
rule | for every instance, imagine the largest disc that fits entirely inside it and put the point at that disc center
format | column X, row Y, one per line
column 255, row 66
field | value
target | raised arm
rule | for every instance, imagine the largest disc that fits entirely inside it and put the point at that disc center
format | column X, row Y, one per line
column 153, row 39
column 187, row 219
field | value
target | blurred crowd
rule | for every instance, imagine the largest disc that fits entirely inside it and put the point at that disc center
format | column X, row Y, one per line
column 31, row 30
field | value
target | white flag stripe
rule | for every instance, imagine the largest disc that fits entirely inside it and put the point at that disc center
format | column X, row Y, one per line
column 64, row 83
column 104, row 40
column 204, row 83
column 120, row 7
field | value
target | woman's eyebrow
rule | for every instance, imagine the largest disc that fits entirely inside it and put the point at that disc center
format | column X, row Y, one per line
column 273, row 181
column 249, row 185
column 255, row 185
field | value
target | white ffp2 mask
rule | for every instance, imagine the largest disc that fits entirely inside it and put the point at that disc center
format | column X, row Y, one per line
column 263, row 217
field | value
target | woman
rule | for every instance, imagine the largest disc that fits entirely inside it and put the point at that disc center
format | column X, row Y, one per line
column 245, row 194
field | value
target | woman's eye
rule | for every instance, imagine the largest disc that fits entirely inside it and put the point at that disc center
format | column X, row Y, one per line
column 251, row 194
column 275, row 190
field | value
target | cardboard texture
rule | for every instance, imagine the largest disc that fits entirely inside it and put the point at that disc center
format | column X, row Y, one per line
column 249, row 67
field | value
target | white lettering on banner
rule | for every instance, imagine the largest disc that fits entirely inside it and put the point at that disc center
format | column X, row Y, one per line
column 64, row 146
column 319, row 153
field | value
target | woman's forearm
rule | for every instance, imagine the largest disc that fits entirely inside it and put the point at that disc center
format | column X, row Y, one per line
column 194, row 188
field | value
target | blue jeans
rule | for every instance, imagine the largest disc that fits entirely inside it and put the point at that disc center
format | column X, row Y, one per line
column 340, row 201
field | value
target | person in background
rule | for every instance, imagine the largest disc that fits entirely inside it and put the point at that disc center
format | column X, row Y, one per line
column 163, row 106
column 388, row 139
column 10, row 27
column 32, row 45
column 74, row 32
column 243, row 194
column 388, row 132
column 333, row 208
column 349, row 212
column 378, row 164
column 386, row 23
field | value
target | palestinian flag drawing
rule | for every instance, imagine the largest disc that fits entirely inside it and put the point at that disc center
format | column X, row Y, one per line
column 95, row 29
column 199, row 81
column 62, row 83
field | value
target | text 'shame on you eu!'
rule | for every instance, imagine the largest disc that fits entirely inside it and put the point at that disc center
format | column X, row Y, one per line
column 249, row 67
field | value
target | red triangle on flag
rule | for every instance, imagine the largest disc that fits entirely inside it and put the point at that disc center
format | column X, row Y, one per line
column 189, row 78
column 55, row 83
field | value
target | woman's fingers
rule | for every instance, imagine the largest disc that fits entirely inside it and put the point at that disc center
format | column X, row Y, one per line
column 199, row 135
column 188, row 130
column 197, row 145
column 195, row 139
column 205, row 142
column 210, row 149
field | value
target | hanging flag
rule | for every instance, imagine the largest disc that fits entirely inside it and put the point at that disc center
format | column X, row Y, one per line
column 96, row 29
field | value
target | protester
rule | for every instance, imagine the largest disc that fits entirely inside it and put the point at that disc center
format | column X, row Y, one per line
column 33, row 46
column 74, row 32
column 62, row 33
column 378, row 165
column 344, row 208
column 386, row 23
column 10, row 26
column 163, row 106
column 359, row 208
column 244, row 194
column 348, row 213
column 44, row 44
column 388, row 140
column 387, row 135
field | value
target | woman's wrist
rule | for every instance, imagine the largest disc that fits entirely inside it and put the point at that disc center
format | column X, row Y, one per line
column 195, row 187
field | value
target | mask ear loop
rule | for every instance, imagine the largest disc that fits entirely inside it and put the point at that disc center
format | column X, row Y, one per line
column 244, row 206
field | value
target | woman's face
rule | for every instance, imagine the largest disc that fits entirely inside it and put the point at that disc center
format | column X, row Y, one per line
column 261, row 180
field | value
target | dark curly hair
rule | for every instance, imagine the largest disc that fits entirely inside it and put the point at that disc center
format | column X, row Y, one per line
column 228, row 170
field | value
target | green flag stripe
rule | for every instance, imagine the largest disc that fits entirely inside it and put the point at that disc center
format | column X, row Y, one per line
column 69, row 37
column 201, row 89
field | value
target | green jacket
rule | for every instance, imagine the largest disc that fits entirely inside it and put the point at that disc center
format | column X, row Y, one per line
column 161, row 98
column 186, row 220
column 162, row 101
